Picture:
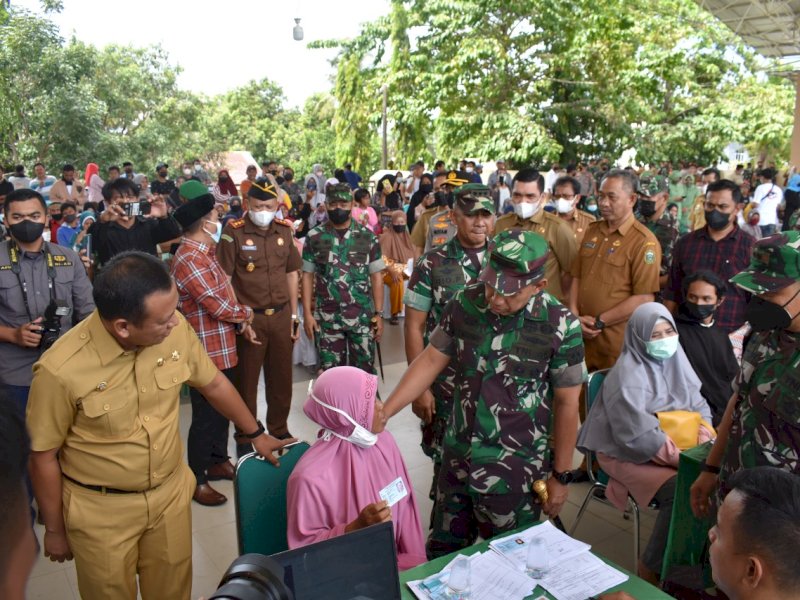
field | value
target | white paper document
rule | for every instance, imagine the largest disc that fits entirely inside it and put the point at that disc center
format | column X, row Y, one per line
column 560, row 546
column 491, row 578
column 581, row 577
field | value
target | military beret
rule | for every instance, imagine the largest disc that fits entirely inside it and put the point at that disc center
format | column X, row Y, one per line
column 514, row 259
column 194, row 210
column 472, row 197
column 774, row 264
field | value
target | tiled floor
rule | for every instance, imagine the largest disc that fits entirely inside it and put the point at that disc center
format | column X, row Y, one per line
column 214, row 528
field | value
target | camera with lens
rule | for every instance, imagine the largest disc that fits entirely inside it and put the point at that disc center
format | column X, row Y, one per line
column 134, row 209
column 253, row 577
column 51, row 324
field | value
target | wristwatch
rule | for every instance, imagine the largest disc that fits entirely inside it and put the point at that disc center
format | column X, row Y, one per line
column 707, row 468
column 250, row 436
column 598, row 323
column 564, row 478
column 378, row 313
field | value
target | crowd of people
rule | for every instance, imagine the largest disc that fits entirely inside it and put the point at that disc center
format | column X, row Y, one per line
column 683, row 285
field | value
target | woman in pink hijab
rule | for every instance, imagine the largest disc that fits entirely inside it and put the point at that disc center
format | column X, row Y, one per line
column 335, row 487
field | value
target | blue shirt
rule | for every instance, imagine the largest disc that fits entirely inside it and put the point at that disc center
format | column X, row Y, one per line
column 353, row 179
column 66, row 235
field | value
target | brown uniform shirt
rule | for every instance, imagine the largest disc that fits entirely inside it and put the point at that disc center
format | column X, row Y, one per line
column 258, row 260
column 563, row 247
column 613, row 266
column 419, row 235
column 697, row 216
column 579, row 223
column 114, row 413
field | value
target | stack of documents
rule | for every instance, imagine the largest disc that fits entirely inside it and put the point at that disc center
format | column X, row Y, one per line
column 574, row 574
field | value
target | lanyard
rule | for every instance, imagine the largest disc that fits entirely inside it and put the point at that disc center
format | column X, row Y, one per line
column 16, row 268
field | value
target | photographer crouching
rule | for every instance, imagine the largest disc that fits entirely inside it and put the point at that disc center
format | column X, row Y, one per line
column 44, row 290
column 128, row 223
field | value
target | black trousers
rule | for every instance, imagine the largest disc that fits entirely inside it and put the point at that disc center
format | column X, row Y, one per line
column 208, row 435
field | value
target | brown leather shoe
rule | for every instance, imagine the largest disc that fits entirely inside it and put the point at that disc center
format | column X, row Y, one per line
column 223, row 470
column 207, row 496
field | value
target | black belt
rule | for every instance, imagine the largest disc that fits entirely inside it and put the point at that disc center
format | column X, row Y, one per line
column 270, row 310
column 105, row 490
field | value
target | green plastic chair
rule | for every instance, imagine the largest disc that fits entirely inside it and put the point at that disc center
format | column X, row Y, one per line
column 259, row 492
column 597, row 476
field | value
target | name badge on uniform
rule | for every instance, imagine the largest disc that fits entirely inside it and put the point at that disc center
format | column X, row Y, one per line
column 248, row 247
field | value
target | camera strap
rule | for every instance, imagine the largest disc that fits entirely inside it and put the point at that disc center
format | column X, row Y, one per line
column 13, row 256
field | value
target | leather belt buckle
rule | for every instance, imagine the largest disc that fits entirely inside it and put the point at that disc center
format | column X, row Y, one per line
column 269, row 312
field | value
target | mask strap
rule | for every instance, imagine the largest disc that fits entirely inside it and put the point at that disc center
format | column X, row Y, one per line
column 336, row 410
column 789, row 301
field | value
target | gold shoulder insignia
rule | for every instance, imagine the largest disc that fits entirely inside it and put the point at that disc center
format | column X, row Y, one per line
column 283, row 222
column 237, row 223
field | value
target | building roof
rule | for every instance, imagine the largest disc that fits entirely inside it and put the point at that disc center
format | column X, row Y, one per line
column 769, row 26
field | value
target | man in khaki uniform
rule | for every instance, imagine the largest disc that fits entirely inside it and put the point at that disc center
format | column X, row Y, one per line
column 529, row 215
column 566, row 193
column 697, row 217
column 443, row 185
column 616, row 270
column 106, row 460
column 259, row 254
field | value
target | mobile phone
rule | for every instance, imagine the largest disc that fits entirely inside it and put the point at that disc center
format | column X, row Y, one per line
column 134, row 209
column 89, row 247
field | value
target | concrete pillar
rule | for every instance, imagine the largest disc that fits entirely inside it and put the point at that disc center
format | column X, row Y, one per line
column 794, row 154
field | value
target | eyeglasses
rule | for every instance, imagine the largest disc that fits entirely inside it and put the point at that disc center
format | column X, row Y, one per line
column 564, row 196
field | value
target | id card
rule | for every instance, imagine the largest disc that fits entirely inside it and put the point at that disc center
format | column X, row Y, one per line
column 394, row 492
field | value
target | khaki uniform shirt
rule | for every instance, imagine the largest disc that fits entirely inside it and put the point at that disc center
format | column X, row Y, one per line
column 613, row 266
column 563, row 247
column 258, row 260
column 579, row 223
column 113, row 413
column 420, row 232
column 697, row 217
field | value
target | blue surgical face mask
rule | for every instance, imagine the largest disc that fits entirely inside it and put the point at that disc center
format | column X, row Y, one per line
column 217, row 233
column 361, row 436
column 662, row 349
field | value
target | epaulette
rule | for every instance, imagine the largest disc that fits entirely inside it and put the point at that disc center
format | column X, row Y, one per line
column 237, row 223
column 284, row 222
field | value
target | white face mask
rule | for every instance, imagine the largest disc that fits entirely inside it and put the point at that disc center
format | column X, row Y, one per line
column 361, row 437
column 469, row 169
column 197, row 167
column 525, row 210
column 187, row 171
column 217, row 231
column 262, row 218
column 563, row 206
column 46, row 234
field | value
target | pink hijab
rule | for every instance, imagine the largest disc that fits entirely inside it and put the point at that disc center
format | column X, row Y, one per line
column 335, row 479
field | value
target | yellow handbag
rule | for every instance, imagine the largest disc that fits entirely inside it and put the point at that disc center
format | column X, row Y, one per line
column 683, row 426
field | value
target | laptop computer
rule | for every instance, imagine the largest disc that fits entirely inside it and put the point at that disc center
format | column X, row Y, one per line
column 361, row 565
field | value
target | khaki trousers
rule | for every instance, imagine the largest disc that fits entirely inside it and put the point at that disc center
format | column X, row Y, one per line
column 114, row 537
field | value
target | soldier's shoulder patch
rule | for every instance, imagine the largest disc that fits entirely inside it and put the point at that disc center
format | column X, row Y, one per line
column 237, row 223
column 226, row 237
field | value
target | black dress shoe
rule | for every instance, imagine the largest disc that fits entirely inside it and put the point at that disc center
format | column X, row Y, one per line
column 207, row 496
column 223, row 470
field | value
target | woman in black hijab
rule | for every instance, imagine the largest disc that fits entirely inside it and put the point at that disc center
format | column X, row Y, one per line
column 425, row 188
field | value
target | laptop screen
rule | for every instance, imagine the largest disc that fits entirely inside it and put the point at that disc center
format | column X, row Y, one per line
column 361, row 565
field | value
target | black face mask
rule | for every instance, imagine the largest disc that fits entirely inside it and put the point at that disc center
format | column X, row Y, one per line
column 399, row 228
column 698, row 312
column 70, row 218
column 56, row 216
column 425, row 188
column 162, row 174
column 647, row 208
column 236, row 209
column 717, row 220
column 26, row 231
column 764, row 315
column 443, row 198
column 223, row 178
column 338, row 216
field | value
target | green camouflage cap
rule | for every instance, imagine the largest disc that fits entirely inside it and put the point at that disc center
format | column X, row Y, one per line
column 514, row 259
column 339, row 192
column 472, row 197
column 774, row 265
column 651, row 185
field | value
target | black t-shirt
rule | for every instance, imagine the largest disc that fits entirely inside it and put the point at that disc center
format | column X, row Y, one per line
column 6, row 187
column 162, row 187
column 109, row 239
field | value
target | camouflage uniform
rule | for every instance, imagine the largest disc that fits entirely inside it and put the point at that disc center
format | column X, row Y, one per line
column 765, row 429
column 498, row 436
column 665, row 228
column 343, row 292
column 438, row 275
column 794, row 220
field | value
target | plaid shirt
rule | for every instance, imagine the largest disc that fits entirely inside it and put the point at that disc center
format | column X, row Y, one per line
column 207, row 301
column 727, row 257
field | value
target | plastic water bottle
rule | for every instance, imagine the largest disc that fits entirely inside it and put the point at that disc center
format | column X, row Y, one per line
column 537, row 563
column 458, row 584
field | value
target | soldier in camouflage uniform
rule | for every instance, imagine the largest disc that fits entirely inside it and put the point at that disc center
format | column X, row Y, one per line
column 794, row 221
column 342, row 262
column 520, row 366
column 438, row 275
column 653, row 214
column 761, row 425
